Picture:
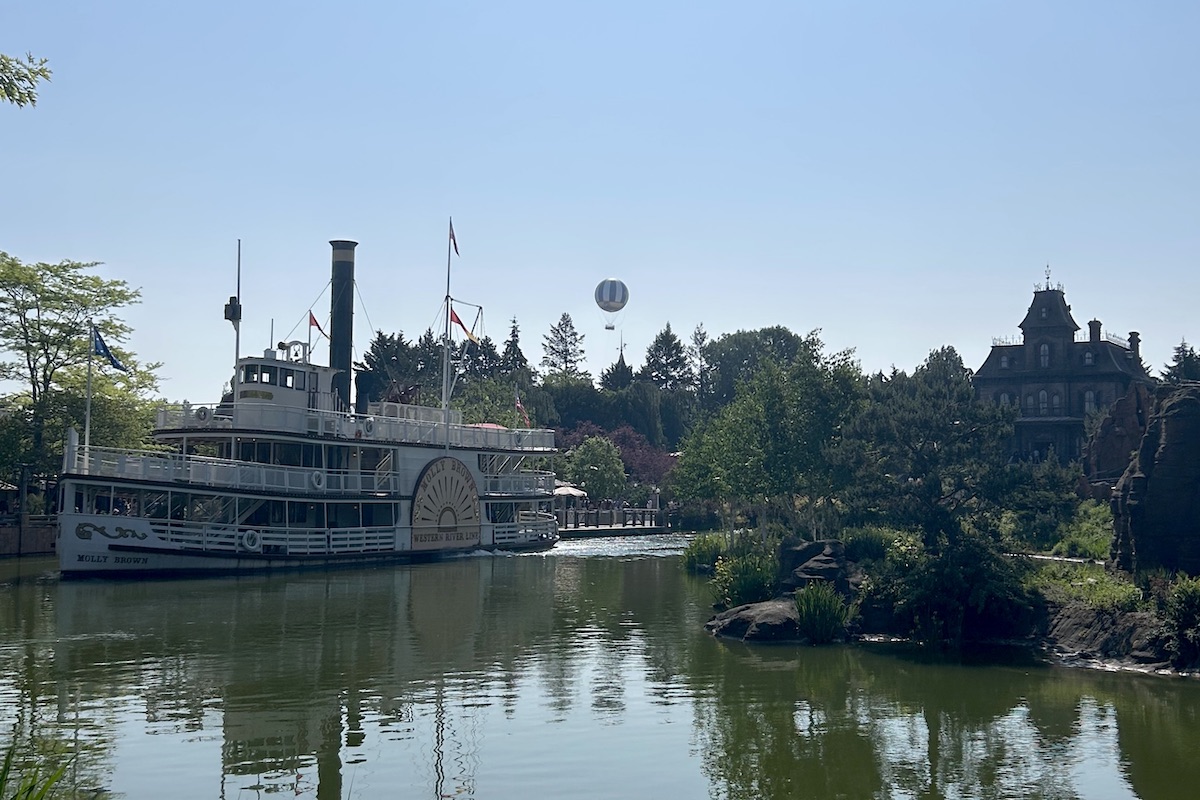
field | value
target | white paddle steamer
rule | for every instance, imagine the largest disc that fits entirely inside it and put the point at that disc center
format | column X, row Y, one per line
column 283, row 474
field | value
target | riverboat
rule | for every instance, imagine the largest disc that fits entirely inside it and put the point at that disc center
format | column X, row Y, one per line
column 284, row 473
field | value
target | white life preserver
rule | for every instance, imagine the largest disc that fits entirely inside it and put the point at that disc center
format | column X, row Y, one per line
column 202, row 414
column 369, row 426
column 251, row 541
column 318, row 480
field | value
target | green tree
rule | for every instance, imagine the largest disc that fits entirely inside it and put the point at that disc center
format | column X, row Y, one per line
column 618, row 376
column 479, row 361
column 925, row 455
column 563, row 348
column 765, row 451
column 595, row 466
column 698, row 358
column 1185, row 366
column 19, row 78
column 45, row 314
column 511, row 358
column 387, row 370
column 667, row 364
column 734, row 358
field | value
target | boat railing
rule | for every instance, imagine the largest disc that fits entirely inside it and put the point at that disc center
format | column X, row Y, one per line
column 222, row 473
column 529, row 525
column 519, row 483
column 276, row 540
column 412, row 428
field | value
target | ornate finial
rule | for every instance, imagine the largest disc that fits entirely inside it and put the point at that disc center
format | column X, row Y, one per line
column 1047, row 276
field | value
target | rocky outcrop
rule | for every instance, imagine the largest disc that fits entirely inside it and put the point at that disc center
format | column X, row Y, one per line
column 1108, row 452
column 1156, row 503
column 770, row 621
column 1090, row 637
column 825, row 560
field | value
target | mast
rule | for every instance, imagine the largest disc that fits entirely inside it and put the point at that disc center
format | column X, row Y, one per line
column 233, row 313
column 450, row 243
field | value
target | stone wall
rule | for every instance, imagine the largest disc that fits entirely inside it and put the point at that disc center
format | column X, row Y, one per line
column 1156, row 503
column 35, row 538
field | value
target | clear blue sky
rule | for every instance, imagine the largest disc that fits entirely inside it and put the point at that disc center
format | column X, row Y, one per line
column 896, row 174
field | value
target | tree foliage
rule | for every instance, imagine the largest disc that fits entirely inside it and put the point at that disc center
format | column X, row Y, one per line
column 595, row 466
column 19, row 78
column 563, row 348
column 617, row 376
column 46, row 311
column 1185, row 366
column 667, row 365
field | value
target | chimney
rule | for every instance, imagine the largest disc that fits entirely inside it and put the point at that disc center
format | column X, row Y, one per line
column 1135, row 345
column 1094, row 331
column 341, row 312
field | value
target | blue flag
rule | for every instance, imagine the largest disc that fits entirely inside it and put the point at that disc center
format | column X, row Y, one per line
column 101, row 349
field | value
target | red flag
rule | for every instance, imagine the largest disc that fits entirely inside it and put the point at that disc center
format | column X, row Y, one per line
column 454, row 318
column 453, row 241
column 521, row 409
column 312, row 323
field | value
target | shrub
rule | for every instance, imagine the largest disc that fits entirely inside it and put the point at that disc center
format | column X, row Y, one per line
column 750, row 578
column 822, row 613
column 702, row 552
column 868, row 544
column 1183, row 622
column 1090, row 584
column 1088, row 535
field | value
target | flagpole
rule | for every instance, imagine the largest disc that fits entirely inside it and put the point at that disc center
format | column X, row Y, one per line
column 87, row 412
column 446, row 340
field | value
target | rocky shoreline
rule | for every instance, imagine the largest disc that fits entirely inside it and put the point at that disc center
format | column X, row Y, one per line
column 1072, row 635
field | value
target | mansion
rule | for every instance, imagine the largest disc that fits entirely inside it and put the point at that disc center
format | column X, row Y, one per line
column 1056, row 377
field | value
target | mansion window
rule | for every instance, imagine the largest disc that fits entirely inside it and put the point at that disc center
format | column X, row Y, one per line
column 1004, row 398
column 1029, row 404
column 1044, row 355
column 1043, row 403
column 1003, row 362
column 1056, row 405
column 1044, row 312
column 1089, row 402
column 1088, row 359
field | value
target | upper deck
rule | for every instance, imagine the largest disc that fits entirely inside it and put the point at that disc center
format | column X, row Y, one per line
column 387, row 424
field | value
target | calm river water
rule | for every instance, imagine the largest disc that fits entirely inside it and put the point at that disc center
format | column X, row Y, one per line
column 581, row 673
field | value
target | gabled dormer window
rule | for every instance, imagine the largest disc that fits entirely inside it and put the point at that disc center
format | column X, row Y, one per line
column 1003, row 362
column 1044, row 312
column 1088, row 359
column 1044, row 355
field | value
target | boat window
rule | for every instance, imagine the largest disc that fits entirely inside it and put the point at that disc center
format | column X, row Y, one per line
column 210, row 508
column 250, row 373
column 154, row 504
column 311, row 455
column 288, row 454
column 179, row 505
column 344, row 515
column 306, row 515
column 378, row 515
column 287, row 378
column 258, row 452
column 299, row 384
column 268, row 375
column 369, row 458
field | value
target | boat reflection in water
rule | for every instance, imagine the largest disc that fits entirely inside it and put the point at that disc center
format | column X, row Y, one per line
column 576, row 674
column 290, row 665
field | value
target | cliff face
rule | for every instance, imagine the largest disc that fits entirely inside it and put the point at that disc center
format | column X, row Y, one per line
column 1156, row 504
column 1107, row 452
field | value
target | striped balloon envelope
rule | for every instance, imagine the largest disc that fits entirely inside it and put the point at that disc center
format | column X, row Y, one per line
column 611, row 296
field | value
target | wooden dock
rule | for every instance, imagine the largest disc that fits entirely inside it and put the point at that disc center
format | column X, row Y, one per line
column 586, row 523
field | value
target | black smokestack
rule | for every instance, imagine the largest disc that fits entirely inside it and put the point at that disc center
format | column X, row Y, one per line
column 341, row 313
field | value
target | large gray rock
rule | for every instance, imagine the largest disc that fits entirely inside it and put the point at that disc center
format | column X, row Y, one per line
column 769, row 621
column 1156, row 504
column 824, row 560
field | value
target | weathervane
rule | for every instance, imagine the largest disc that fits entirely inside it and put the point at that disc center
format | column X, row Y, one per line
column 1047, row 276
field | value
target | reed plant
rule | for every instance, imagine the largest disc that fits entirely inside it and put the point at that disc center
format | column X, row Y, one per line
column 822, row 614
column 701, row 554
column 32, row 783
column 749, row 578
column 1183, row 622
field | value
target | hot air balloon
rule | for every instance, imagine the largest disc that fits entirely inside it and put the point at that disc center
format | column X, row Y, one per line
column 611, row 296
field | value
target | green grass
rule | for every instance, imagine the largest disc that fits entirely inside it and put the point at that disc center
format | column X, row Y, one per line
column 1088, row 535
column 36, row 782
column 822, row 613
column 1086, row 583
column 702, row 553
column 750, row 578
